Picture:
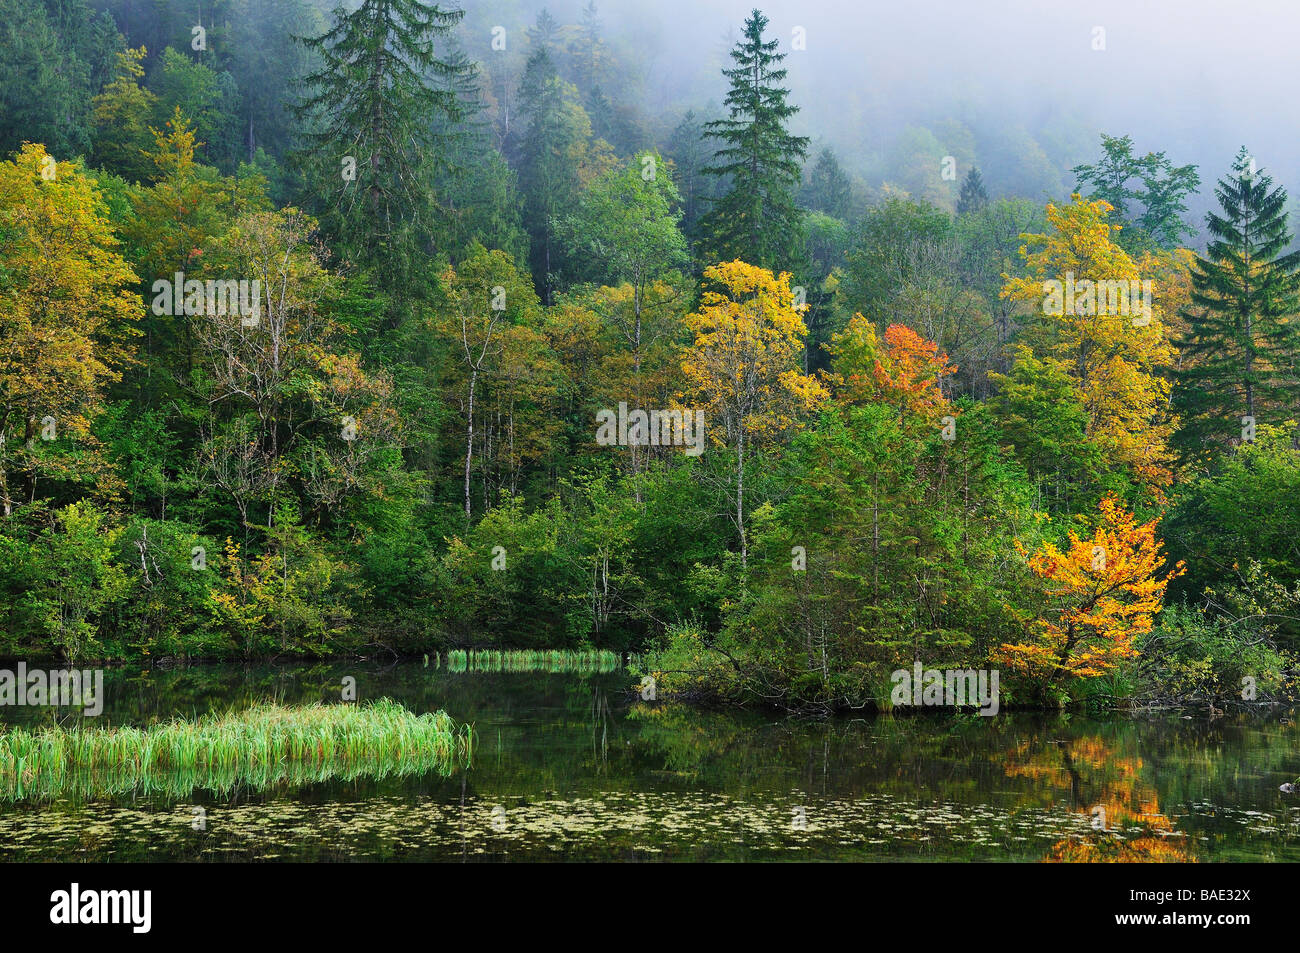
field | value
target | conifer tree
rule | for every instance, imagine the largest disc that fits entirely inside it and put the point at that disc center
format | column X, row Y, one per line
column 828, row 187
column 372, row 99
column 973, row 196
column 757, row 219
column 555, row 131
column 546, row 33
column 588, row 51
column 687, row 149
column 1240, row 356
column 478, row 188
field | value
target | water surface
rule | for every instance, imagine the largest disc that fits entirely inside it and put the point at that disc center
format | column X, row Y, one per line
column 577, row 767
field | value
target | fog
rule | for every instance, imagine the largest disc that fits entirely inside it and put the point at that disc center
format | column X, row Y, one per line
column 1194, row 78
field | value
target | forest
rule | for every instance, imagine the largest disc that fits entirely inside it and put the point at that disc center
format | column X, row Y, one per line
column 391, row 329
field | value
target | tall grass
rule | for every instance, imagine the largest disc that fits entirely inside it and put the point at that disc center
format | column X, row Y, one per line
column 259, row 746
column 587, row 662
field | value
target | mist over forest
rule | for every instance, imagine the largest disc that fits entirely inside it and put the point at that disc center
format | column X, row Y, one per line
column 1014, row 87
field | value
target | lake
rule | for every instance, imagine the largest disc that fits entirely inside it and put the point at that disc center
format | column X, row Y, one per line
column 577, row 767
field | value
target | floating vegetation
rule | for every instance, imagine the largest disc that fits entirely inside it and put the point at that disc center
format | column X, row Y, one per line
column 256, row 747
column 686, row 825
column 555, row 661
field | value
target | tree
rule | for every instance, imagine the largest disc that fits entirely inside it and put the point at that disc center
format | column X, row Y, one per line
column 1102, row 592
column 689, row 154
column 828, row 190
column 761, row 163
column 169, row 228
column 478, row 187
column 1040, row 411
column 75, row 582
column 546, row 32
column 906, row 373
column 67, row 311
column 1095, row 325
column 122, row 116
column 1161, row 192
column 883, row 252
column 744, row 364
column 1241, row 350
column 588, row 49
column 626, row 230
column 553, row 156
column 208, row 98
column 372, row 99
column 45, row 88
column 1241, row 511
column 973, row 196
column 264, row 52
column 486, row 297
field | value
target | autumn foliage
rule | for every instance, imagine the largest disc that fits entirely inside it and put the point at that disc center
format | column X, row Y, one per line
column 904, row 370
column 1114, row 360
column 1102, row 591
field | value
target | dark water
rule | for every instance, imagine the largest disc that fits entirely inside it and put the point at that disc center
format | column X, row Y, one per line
column 573, row 767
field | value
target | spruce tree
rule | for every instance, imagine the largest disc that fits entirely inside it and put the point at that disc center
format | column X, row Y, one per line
column 687, row 149
column 478, row 188
column 547, row 161
column 1240, row 357
column 828, row 189
column 587, row 50
column 374, row 144
column 973, row 196
column 757, row 219
column 546, row 33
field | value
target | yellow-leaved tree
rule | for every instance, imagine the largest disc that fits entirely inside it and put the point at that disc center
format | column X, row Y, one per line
column 1099, row 324
column 66, row 320
column 743, row 368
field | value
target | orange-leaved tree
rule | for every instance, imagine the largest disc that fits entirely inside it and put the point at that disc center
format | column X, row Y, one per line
column 1102, row 592
column 905, row 371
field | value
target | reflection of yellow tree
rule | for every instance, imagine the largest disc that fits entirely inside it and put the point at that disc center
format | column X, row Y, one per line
column 1105, row 786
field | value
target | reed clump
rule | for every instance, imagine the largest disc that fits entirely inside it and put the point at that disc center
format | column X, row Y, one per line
column 258, row 746
column 555, row 661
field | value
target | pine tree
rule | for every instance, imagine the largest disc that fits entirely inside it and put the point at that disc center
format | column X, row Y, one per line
column 379, row 84
column 973, row 196
column 1240, row 356
column 828, row 189
column 757, row 220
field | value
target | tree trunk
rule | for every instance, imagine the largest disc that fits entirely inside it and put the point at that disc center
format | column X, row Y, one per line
column 469, row 440
column 740, row 497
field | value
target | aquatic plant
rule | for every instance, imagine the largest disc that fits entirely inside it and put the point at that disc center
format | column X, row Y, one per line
column 258, row 746
column 555, row 661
